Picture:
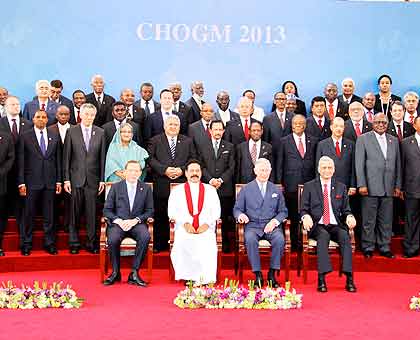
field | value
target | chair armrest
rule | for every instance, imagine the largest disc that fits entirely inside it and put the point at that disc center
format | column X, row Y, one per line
column 286, row 229
column 352, row 240
column 150, row 221
column 104, row 225
column 305, row 237
column 240, row 232
column 171, row 231
column 219, row 231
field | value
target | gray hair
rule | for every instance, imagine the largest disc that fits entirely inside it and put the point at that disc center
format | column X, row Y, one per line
column 347, row 79
column 171, row 118
column 410, row 94
column 222, row 92
column 174, row 84
column 86, row 107
column 40, row 82
column 325, row 159
column 96, row 76
column 196, row 82
column 262, row 162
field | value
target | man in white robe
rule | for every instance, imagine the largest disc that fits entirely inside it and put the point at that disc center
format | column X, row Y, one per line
column 195, row 208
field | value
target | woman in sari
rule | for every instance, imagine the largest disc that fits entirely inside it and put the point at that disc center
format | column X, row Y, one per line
column 121, row 150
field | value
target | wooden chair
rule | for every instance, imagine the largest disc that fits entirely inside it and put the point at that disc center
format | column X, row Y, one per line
column 264, row 246
column 309, row 245
column 128, row 246
column 218, row 240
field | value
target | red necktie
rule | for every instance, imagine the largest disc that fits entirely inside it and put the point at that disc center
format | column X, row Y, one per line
column 411, row 119
column 358, row 132
column 78, row 117
column 370, row 116
column 246, row 129
column 301, row 149
column 326, row 210
column 337, row 149
column 320, row 124
column 208, row 130
column 43, row 107
column 331, row 111
column 399, row 132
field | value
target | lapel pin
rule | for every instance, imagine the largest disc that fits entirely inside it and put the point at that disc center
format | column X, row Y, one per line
column 141, row 189
column 332, row 188
column 344, row 145
column 412, row 141
column 223, row 146
column 49, row 138
column 93, row 133
column 1, row 138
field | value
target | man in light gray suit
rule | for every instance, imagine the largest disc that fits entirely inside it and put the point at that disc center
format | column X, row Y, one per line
column 260, row 205
column 378, row 172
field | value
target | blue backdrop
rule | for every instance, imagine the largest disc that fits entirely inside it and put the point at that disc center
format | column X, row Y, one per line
column 230, row 45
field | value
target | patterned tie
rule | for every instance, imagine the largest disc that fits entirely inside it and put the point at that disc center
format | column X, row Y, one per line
column 281, row 120
column 147, row 108
column 14, row 130
column 331, row 111
column 254, row 152
column 320, row 124
column 399, row 132
column 337, row 149
column 43, row 106
column 246, row 129
column 87, row 138
column 216, row 148
column 129, row 115
column 42, row 144
column 173, row 147
column 326, row 210
column 301, row 149
column 411, row 118
column 358, row 132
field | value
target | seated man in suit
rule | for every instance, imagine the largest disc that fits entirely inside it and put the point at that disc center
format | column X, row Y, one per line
column 260, row 205
column 224, row 113
column 42, row 102
column 326, row 215
column 39, row 163
column 195, row 208
column 247, row 154
column 127, row 207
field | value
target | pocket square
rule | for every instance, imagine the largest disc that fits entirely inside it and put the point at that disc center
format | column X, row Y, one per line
column 225, row 151
column 274, row 195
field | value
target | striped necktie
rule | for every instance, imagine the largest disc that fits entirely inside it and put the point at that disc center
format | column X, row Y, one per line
column 173, row 147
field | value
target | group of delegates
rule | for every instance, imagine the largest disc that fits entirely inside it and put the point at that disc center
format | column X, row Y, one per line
column 61, row 151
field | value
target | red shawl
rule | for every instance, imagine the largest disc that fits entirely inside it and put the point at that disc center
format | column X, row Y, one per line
column 187, row 188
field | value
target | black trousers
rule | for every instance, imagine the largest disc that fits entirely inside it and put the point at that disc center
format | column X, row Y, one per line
column 62, row 208
column 161, row 226
column 33, row 197
column 15, row 204
column 291, row 199
column 356, row 210
column 84, row 197
column 3, row 217
column 323, row 234
column 228, row 223
column 411, row 242
column 115, row 234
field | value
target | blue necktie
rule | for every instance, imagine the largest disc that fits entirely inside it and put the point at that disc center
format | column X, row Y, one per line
column 42, row 144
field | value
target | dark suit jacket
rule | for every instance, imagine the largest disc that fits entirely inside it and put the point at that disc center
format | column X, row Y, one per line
column 139, row 117
column 234, row 132
column 197, row 132
column 410, row 167
column 342, row 109
column 153, row 125
column 291, row 168
column 109, row 132
column 137, row 104
column 117, row 204
column 407, row 129
column 345, row 171
column 350, row 133
column 313, row 201
column 300, row 108
column 33, row 106
column 245, row 167
column 7, row 159
column 186, row 112
column 160, row 159
column 313, row 129
column 35, row 170
column 273, row 132
column 196, row 112
column 222, row 166
column 25, row 125
column 354, row 98
column 104, row 113
column 81, row 167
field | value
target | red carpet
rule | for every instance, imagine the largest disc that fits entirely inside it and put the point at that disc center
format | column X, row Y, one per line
column 378, row 311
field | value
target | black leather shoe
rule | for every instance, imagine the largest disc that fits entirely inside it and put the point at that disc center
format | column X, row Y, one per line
column 406, row 255
column 52, row 250
column 271, row 277
column 387, row 254
column 111, row 279
column 74, row 250
column 322, row 286
column 259, row 280
column 25, row 251
column 135, row 279
column 92, row 250
column 1, row 252
column 368, row 254
column 156, row 251
column 350, row 286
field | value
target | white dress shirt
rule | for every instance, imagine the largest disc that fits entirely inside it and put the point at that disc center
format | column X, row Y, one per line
column 38, row 136
column 224, row 115
column 62, row 129
column 118, row 124
column 407, row 116
column 382, row 142
column 296, row 138
column 9, row 118
column 151, row 105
